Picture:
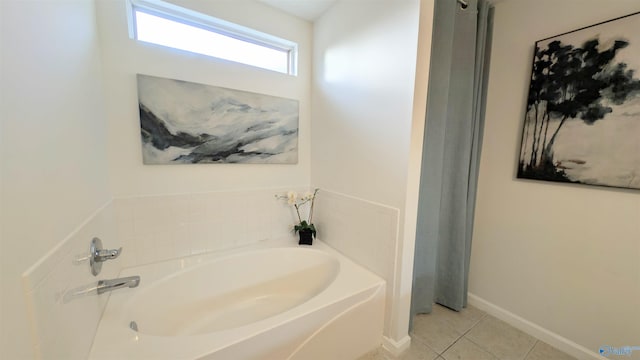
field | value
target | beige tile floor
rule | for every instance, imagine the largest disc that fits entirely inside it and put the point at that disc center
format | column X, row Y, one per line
column 469, row 335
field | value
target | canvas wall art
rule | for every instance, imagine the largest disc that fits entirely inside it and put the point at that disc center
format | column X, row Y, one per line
column 188, row 123
column 582, row 122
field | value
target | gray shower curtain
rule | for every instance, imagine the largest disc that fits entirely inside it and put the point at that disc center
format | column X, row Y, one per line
column 451, row 153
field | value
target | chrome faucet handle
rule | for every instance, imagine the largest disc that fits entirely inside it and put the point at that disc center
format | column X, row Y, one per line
column 104, row 255
column 98, row 255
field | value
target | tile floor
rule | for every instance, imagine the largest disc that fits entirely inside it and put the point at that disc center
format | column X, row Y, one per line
column 469, row 335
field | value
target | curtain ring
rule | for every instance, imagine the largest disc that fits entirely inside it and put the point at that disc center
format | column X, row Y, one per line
column 463, row 4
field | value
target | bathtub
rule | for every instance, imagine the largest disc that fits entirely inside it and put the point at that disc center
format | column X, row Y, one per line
column 273, row 300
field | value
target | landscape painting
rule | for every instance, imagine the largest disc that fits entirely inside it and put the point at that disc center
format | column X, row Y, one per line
column 582, row 122
column 188, row 123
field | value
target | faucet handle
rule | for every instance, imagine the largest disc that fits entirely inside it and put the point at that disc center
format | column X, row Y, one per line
column 98, row 255
column 104, row 255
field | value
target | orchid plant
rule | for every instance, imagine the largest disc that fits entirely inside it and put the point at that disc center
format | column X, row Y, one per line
column 297, row 202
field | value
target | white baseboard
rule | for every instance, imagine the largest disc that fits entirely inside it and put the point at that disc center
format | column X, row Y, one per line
column 396, row 348
column 551, row 338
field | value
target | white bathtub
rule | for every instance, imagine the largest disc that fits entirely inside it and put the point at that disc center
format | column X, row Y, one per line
column 267, row 301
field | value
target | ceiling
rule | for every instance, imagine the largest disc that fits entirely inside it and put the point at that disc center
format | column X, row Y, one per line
column 311, row 10
column 306, row 9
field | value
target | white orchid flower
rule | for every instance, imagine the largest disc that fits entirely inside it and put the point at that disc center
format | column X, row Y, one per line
column 292, row 196
column 298, row 202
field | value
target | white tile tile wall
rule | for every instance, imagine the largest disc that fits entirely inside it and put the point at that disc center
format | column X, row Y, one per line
column 362, row 230
column 62, row 328
column 156, row 228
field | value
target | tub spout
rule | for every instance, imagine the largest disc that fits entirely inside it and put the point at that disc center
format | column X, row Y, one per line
column 113, row 284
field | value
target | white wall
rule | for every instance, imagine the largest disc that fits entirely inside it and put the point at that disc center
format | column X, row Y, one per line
column 407, row 250
column 363, row 87
column 364, row 61
column 54, row 161
column 124, row 58
column 63, row 317
column 562, row 257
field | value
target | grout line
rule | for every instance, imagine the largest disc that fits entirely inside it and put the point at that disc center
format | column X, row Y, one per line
column 463, row 335
column 423, row 343
column 478, row 345
column 530, row 350
column 475, row 324
column 445, row 350
column 466, row 332
column 496, row 357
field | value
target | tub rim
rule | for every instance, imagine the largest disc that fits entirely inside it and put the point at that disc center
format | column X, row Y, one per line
column 115, row 338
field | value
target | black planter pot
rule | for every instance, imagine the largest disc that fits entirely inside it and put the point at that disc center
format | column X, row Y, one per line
column 306, row 237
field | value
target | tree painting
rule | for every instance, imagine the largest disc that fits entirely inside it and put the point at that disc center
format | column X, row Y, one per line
column 582, row 121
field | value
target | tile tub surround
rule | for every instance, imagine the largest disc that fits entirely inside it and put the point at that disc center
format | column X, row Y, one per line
column 64, row 328
column 366, row 232
column 469, row 335
column 150, row 229
column 163, row 227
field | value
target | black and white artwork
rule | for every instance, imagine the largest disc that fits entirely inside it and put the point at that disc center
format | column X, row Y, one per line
column 582, row 122
column 187, row 123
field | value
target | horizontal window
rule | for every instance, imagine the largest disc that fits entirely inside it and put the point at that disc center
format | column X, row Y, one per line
column 168, row 25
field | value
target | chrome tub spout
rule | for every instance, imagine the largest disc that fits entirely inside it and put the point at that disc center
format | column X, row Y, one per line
column 113, row 284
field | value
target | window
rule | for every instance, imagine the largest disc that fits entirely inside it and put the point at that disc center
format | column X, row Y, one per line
column 165, row 24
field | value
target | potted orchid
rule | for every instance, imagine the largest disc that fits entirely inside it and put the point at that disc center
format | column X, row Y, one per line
column 304, row 228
